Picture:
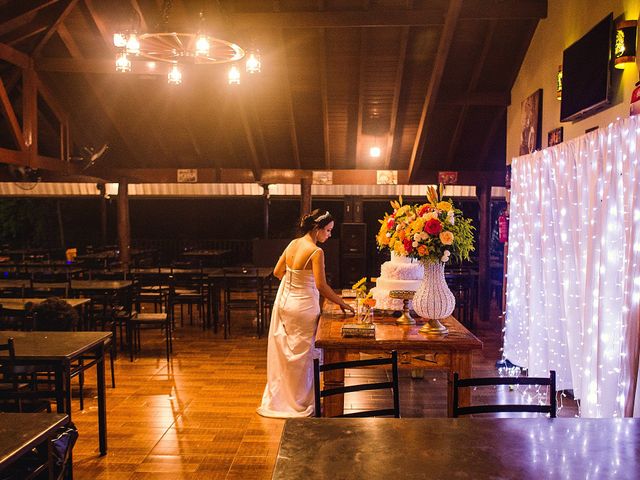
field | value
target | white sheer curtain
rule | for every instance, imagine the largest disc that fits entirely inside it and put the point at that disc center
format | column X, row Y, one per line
column 573, row 279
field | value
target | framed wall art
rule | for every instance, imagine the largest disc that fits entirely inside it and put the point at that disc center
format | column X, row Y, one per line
column 554, row 137
column 530, row 138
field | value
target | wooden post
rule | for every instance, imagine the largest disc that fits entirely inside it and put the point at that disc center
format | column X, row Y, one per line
column 102, row 188
column 265, row 210
column 124, row 227
column 483, row 192
column 305, row 196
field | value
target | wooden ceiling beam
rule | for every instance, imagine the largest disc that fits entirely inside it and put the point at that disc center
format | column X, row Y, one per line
column 23, row 158
column 67, row 7
column 285, row 85
column 359, row 137
column 31, row 8
column 477, row 99
column 446, row 39
column 251, row 142
column 27, row 35
column 473, row 83
column 324, row 93
column 395, row 106
column 13, row 56
column 10, row 115
column 30, row 112
column 504, row 9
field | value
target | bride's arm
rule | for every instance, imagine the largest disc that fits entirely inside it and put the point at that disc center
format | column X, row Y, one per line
column 281, row 266
column 317, row 262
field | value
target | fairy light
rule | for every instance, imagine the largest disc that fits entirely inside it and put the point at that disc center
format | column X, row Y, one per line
column 573, row 280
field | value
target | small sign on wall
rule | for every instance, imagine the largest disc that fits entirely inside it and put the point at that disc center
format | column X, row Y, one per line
column 322, row 178
column 387, row 177
column 448, row 178
column 187, row 175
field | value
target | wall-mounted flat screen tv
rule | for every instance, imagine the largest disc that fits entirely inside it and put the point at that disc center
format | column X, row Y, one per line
column 586, row 73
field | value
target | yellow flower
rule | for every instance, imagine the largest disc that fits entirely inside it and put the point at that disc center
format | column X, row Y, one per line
column 399, row 248
column 444, row 206
column 446, row 237
column 359, row 283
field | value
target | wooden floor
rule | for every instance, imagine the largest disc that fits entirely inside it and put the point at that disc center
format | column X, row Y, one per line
column 195, row 417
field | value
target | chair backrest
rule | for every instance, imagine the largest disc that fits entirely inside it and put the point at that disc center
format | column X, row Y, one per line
column 241, row 280
column 391, row 384
column 549, row 408
column 7, row 362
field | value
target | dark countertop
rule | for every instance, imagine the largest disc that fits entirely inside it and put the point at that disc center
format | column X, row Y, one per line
column 459, row 448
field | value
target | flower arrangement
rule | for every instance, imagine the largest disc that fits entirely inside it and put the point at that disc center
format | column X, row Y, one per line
column 364, row 300
column 432, row 232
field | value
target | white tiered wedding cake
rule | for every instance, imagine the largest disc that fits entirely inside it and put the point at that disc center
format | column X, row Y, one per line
column 401, row 273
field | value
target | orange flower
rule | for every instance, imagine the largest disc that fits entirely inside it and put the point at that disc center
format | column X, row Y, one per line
column 423, row 250
column 370, row 302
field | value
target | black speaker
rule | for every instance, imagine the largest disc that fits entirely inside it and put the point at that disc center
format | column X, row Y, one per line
column 353, row 239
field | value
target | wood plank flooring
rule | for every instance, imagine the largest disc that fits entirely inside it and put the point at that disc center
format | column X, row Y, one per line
column 194, row 418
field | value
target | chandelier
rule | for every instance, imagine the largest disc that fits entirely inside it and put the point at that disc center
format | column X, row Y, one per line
column 177, row 49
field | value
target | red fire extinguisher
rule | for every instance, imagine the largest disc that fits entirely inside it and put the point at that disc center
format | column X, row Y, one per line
column 503, row 226
column 634, row 108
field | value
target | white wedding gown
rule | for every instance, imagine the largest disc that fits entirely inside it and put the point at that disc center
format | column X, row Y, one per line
column 289, row 390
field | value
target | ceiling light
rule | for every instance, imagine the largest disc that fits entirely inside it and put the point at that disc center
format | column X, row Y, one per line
column 234, row 75
column 375, row 152
column 253, row 64
column 175, row 75
column 177, row 49
column 123, row 64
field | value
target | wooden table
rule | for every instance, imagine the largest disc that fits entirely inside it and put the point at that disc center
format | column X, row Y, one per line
column 416, row 350
column 459, row 448
column 18, row 306
column 60, row 350
column 20, row 432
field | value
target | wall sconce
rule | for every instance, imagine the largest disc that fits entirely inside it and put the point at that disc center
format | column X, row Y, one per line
column 559, row 83
column 625, row 45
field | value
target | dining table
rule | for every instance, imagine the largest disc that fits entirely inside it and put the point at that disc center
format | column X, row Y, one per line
column 21, row 432
column 17, row 307
column 459, row 448
column 60, row 351
column 451, row 352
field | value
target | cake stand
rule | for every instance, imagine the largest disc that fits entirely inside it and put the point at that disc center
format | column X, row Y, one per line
column 405, row 296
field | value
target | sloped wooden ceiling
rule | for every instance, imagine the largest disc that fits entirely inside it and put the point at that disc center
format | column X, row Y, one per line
column 427, row 81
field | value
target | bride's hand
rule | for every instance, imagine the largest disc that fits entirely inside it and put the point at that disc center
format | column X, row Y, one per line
column 346, row 307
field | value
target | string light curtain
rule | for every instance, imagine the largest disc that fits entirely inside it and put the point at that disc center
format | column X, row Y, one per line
column 573, row 278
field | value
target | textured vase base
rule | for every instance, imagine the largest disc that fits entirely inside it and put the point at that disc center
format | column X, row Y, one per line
column 434, row 327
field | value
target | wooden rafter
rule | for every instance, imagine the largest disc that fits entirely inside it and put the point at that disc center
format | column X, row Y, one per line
column 253, row 150
column 429, row 15
column 13, row 56
column 68, row 6
column 32, row 8
column 361, row 99
column 324, row 93
column 27, row 35
column 444, row 46
column 395, row 106
column 14, row 125
column 473, row 83
column 482, row 99
column 286, row 91
column 30, row 113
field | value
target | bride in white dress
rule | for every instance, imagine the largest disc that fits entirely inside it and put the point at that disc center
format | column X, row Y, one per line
column 289, row 390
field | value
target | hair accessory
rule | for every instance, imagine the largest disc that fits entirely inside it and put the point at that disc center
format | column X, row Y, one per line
column 322, row 217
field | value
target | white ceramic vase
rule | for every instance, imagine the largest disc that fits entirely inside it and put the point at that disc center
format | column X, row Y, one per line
column 433, row 300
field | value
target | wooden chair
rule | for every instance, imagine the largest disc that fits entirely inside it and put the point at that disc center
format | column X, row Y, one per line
column 242, row 291
column 549, row 408
column 188, row 289
column 140, row 321
column 391, row 384
column 18, row 392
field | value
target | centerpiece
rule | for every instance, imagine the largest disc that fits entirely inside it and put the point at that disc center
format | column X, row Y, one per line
column 433, row 233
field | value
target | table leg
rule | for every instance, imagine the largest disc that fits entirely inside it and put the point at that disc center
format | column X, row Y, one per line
column 333, row 405
column 461, row 363
column 60, row 394
column 67, row 388
column 102, row 401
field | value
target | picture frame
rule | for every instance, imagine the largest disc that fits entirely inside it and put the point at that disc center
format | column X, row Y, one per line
column 554, row 137
column 531, row 111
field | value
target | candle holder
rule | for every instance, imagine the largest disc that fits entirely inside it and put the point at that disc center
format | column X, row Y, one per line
column 405, row 296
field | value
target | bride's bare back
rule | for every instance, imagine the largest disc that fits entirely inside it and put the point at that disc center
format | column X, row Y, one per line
column 298, row 252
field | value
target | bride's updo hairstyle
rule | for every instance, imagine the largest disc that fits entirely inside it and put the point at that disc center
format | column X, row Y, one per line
column 317, row 219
